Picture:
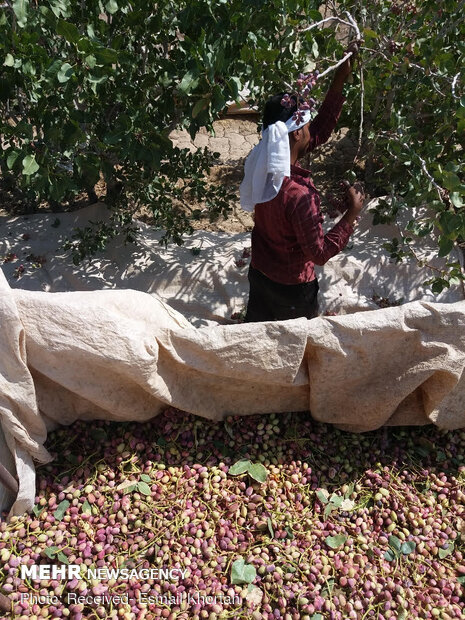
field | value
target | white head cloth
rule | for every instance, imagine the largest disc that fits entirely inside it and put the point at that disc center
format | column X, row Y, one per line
column 269, row 162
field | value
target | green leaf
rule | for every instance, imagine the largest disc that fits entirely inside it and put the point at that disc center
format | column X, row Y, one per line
column 85, row 45
column 425, row 443
column 127, row 486
column 394, row 543
column 229, row 429
column 327, row 511
column 111, row 6
column 313, row 15
column 266, row 55
column 218, row 100
column 316, row 617
column 445, row 246
column 54, row 67
column 98, row 433
column 456, row 200
column 448, row 223
column 336, row 500
column 369, row 34
column 334, row 542
column 443, row 553
column 91, row 61
column 235, row 86
column 51, row 552
column 20, row 10
column 270, row 527
column 439, row 285
column 188, row 82
column 295, row 47
column 390, row 555
column 106, row 56
column 86, row 508
column 65, row 73
column 61, row 509
column 62, row 557
column 68, row 31
column 322, row 496
column 327, row 590
column 97, row 78
column 37, row 509
column 11, row 159
column 290, row 533
column 9, row 61
column 408, row 547
column 461, row 580
column 30, row 166
column 144, row 488
column 242, row 572
column 451, row 181
column 258, row 472
column 59, row 7
column 202, row 104
column 239, row 468
column 145, row 478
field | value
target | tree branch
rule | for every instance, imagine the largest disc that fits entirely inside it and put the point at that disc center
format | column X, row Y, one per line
column 351, row 23
column 338, row 64
column 454, row 83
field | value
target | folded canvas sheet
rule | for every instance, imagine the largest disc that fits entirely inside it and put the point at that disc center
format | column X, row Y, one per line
column 127, row 354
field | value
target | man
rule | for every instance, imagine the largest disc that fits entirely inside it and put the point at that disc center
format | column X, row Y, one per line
column 287, row 238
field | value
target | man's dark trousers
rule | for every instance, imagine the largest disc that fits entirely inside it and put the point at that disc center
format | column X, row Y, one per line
column 272, row 301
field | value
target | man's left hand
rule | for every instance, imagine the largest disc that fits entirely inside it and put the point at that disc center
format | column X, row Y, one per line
column 343, row 72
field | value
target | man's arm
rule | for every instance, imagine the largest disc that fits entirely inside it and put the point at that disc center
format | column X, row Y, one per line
column 307, row 223
column 324, row 123
column 343, row 72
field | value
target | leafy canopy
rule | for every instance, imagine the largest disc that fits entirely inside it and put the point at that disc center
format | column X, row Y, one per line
column 91, row 90
column 414, row 120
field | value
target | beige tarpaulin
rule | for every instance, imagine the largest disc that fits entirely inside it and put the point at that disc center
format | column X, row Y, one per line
column 126, row 354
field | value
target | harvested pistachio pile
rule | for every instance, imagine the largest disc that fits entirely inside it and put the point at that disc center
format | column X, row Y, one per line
column 270, row 516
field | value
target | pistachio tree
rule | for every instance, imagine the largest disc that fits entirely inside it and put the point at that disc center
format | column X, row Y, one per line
column 92, row 90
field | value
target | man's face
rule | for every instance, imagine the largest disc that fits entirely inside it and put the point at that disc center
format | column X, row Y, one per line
column 302, row 140
column 307, row 140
